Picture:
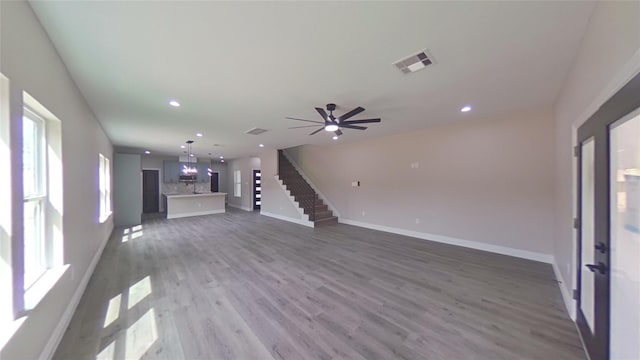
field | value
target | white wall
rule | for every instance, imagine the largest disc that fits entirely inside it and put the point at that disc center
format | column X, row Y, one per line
column 246, row 165
column 274, row 199
column 486, row 184
column 127, row 189
column 608, row 57
column 30, row 62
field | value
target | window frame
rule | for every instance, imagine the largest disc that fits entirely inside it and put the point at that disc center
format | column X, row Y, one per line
column 40, row 197
column 104, row 187
column 237, row 183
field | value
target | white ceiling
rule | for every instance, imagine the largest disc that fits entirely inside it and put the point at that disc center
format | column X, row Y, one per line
column 238, row 65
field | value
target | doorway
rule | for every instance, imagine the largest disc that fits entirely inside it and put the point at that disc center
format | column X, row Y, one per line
column 608, row 226
column 257, row 189
column 215, row 182
column 150, row 191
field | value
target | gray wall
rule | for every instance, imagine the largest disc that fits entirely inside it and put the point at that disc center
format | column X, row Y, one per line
column 608, row 57
column 127, row 189
column 223, row 177
column 31, row 63
column 484, row 183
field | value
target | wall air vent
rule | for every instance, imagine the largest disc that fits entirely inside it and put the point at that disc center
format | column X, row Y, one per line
column 255, row 131
column 415, row 62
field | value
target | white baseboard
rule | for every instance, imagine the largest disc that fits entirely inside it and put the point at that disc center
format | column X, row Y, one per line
column 240, row 207
column 58, row 332
column 289, row 219
column 569, row 303
column 529, row 255
column 198, row 213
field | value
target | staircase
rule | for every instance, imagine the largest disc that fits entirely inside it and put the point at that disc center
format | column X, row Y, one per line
column 303, row 193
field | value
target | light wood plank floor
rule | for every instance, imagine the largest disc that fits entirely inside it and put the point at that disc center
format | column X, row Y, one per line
column 244, row 286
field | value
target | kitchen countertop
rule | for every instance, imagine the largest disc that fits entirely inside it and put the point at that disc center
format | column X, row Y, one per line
column 194, row 195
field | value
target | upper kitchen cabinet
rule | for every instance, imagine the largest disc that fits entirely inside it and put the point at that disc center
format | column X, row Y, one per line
column 203, row 172
column 171, row 171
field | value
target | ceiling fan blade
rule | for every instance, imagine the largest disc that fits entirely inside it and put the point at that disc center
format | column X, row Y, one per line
column 305, row 126
column 322, row 113
column 364, row 121
column 351, row 113
column 313, row 121
column 338, row 132
column 345, row 126
column 317, row 131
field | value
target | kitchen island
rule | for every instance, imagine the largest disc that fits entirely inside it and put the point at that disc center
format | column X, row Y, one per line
column 185, row 205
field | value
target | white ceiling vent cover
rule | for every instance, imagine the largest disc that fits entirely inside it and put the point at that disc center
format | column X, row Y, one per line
column 255, row 131
column 414, row 62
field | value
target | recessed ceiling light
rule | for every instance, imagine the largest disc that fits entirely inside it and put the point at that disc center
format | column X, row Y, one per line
column 466, row 108
column 199, row 134
column 221, row 160
column 261, row 145
column 191, row 155
column 182, row 146
column 174, row 103
column 147, row 152
column 335, row 137
column 221, row 157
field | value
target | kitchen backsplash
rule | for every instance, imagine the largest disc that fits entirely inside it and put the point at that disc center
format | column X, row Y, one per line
column 181, row 188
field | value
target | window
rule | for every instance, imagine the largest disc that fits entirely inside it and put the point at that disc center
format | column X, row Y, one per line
column 105, row 188
column 42, row 220
column 34, row 171
column 237, row 183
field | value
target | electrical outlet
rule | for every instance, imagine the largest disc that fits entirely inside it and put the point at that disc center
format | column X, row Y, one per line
column 363, row 213
column 417, row 221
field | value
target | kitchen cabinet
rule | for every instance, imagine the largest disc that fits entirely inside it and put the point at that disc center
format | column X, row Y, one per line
column 170, row 171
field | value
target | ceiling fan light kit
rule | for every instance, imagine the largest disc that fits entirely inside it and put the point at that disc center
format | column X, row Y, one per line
column 333, row 124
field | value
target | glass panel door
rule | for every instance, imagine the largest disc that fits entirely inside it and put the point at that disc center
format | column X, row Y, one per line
column 608, row 261
column 587, row 278
column 625, row 238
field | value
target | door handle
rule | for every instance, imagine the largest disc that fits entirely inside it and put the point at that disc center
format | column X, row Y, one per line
column 601, row 267
column 601, row 247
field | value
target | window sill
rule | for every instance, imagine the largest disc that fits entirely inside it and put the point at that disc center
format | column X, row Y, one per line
column 42, row 286
column 105, row 217
column 7, row 330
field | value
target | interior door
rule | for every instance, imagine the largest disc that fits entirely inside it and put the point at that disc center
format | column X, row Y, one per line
column 150, row 191
column 215, row 182
column 606, row 211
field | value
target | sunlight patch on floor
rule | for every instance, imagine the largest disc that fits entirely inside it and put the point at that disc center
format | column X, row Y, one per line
column 141, row 335
column 139, row 291
column 107, row 353
column 113, row 311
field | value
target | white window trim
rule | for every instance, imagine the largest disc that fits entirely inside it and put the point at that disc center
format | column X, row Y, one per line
column 104, row 174
column 40, row 196
column 55, row 268
column 237, row 183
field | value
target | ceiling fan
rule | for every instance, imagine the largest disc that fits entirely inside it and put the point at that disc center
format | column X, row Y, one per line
column 334, row 124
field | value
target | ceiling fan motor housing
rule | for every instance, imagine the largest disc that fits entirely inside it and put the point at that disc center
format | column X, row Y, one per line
column 331, row 107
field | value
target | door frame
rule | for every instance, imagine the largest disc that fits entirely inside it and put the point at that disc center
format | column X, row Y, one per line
column 211, row 180
column 254, row 206
column 623, row 102
column 160, row 174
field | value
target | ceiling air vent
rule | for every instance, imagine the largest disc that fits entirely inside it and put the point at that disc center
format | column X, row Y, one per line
column 415, row 62
column 255, row 131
